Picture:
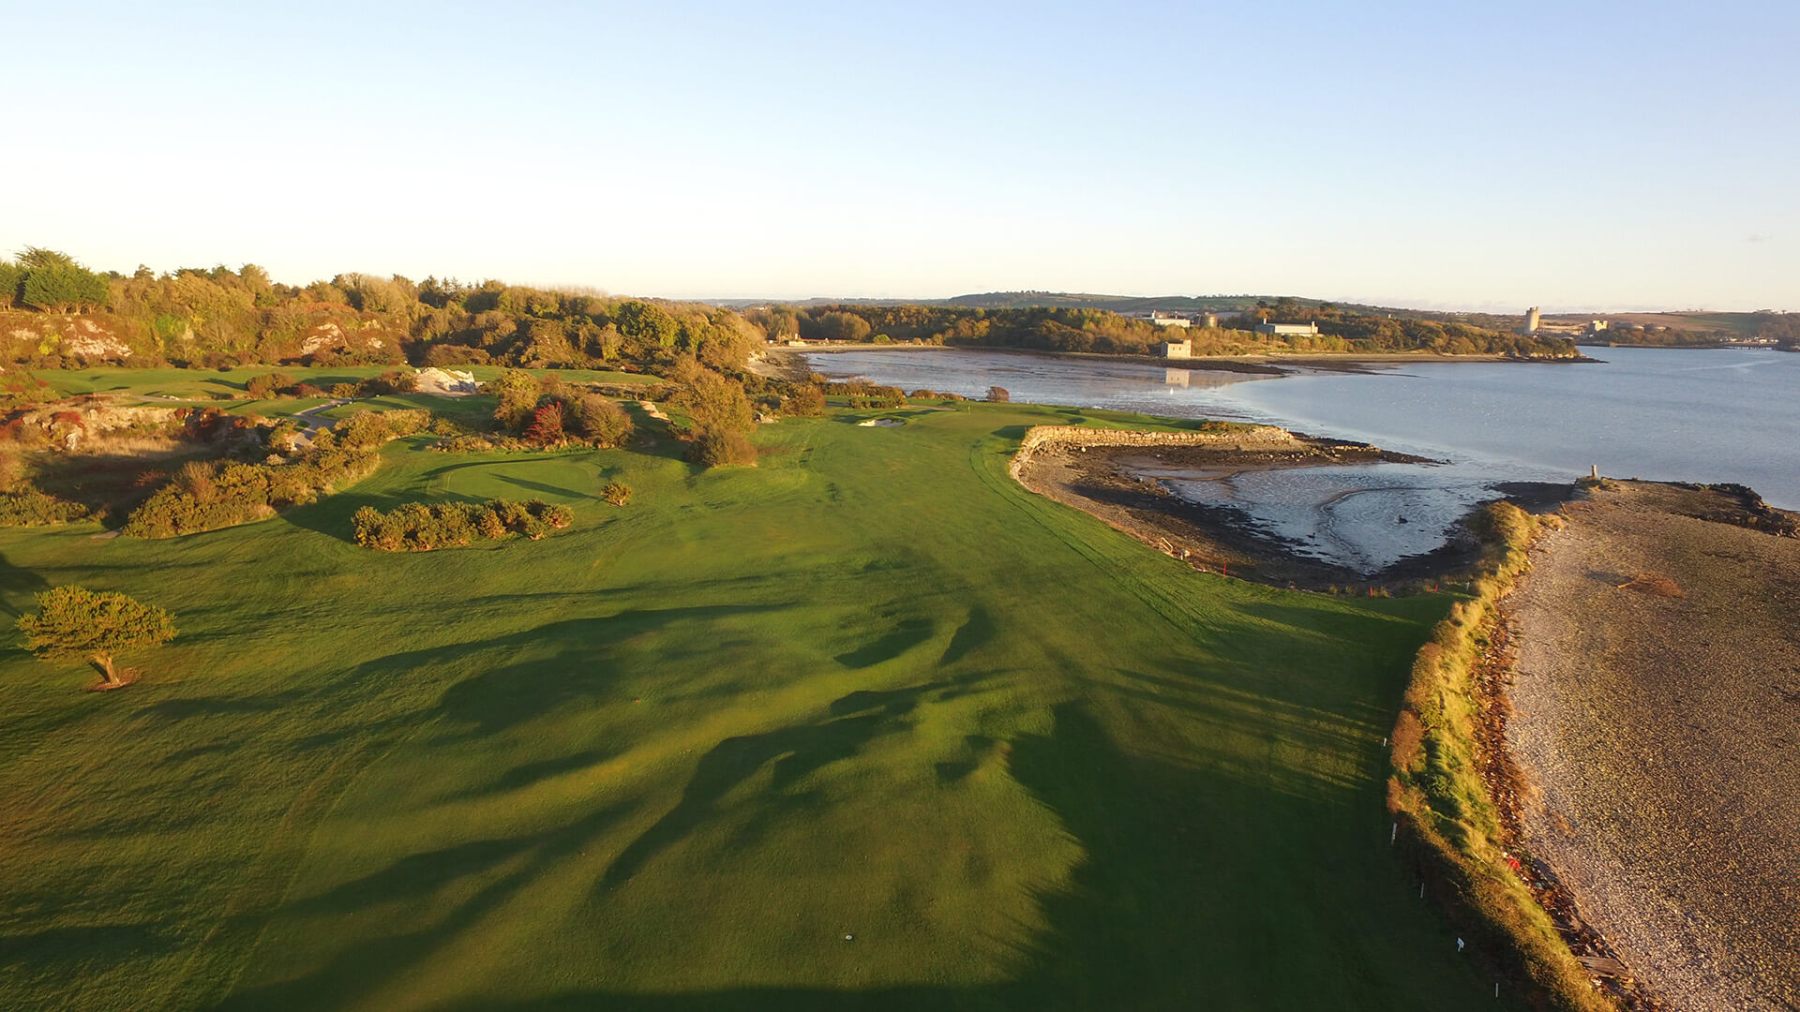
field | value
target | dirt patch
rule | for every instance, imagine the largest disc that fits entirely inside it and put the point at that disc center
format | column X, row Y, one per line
column 1655, row 725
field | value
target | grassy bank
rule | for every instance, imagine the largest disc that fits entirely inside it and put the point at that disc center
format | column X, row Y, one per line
column 866, row 726
column 1443, row 810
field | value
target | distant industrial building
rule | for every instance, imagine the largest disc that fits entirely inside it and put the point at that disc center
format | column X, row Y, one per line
column 1175, row 349
column 1170, row 320
column 1533, row 319
column 1308, row 329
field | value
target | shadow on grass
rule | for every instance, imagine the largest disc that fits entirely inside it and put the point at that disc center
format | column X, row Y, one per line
column 507, row 695
column 540, row 487
column 1227, row 874
column 17, row 587
column 910, row 633
column 1156, row 916
column 790, row 753
column 69, row 950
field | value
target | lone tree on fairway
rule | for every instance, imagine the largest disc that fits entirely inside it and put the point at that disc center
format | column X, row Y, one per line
column 78, row 622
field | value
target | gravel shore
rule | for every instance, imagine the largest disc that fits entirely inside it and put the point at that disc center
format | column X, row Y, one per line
column 1656, row 726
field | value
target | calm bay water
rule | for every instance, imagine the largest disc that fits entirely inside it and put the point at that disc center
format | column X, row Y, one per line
column 1715, row 415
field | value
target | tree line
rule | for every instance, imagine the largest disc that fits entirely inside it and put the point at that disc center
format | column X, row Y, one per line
column 220, row 317
column 1100, row 331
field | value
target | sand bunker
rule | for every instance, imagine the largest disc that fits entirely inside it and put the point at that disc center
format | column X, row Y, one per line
column 446, row 382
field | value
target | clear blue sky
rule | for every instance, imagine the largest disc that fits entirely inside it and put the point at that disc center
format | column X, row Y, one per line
column 1601, row 155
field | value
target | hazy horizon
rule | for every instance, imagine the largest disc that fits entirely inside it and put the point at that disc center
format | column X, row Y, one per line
column 1595, row 157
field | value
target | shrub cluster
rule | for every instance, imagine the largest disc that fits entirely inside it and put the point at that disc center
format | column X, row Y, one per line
column 208, row 495
column 418, row 527
column 27, row 506
column 279, row 384
column 616, row 492
column 864, row 394
column 550, row 413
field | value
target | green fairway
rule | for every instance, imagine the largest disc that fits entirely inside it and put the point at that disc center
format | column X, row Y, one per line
column 865, row 726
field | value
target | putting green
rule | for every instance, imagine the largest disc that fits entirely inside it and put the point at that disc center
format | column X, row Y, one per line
column 866, row 726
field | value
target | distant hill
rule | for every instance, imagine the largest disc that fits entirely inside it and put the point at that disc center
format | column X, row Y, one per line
column 1049, row 300
column 1112, row 303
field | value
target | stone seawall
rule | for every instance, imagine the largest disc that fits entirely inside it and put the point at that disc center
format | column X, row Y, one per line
column 1245, row 438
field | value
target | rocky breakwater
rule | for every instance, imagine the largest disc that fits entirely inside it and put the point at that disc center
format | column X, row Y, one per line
column 1041, row 439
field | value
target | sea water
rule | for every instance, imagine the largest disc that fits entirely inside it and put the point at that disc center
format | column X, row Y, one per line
column 1706, row 415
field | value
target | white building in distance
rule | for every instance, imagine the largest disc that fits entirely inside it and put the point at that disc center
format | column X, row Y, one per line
column 1175, row 349
column 1308, row 329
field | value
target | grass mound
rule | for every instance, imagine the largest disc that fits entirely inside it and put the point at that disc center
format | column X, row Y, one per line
column 1437, row 796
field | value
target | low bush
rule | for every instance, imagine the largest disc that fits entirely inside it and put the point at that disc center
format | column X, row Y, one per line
column 418, row 527
column 394, row 381
column 722, row 448
column 864, row 394
column 616, row 492
column 803, row 400
column 598, row 420
column 26, row 506
column 269, row 385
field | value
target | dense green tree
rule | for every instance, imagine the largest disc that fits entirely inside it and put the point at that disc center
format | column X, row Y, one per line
column 721, row 415
column 73, row 621
column 11, row 276
column 518, row 394
column 716, row 402
column 843, row 326
column 55, row 283
column 648, row 325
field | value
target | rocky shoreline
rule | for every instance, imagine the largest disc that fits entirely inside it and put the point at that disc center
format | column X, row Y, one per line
column 1648, row 729
column 1099, row 476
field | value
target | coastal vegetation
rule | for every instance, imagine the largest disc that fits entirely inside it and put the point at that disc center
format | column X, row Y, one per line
column 1441, row 805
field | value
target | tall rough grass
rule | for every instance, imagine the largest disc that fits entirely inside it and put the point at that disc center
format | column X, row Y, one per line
column 1446, row 819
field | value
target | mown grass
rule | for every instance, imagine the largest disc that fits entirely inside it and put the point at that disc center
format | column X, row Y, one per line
column 866, row 726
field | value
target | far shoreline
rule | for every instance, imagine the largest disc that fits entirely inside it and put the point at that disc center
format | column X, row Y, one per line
column 781, row 358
